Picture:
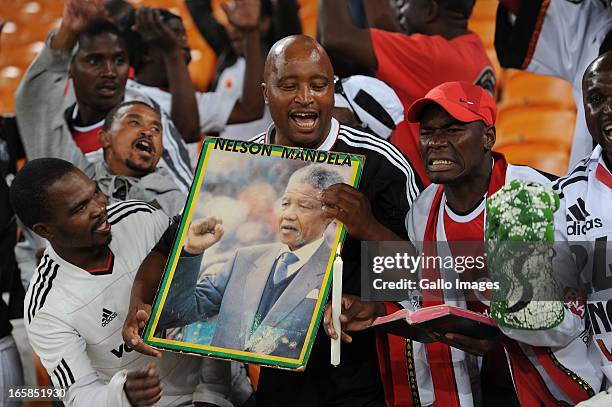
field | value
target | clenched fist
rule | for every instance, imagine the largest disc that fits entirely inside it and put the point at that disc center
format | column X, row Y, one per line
column 202, row 234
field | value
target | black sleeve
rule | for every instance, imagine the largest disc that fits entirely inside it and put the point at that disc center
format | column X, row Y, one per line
column 8, row 267
column 391, row 186
column 513, row 40
column 11, row 148
column 397, row 185
column 212, row 31
column 164, row 246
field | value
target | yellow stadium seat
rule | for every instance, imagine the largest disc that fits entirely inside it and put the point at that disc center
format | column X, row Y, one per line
column 525, row 88
column 542, row 156
column 485, row 10
column 485, row 29
column 520, row 124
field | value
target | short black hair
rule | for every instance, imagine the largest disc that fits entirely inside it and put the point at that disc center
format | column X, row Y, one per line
column 28, row 193
column 116, row 8
column 463, row 7
column 101, row 26
column 136, row 46
column 110, row 117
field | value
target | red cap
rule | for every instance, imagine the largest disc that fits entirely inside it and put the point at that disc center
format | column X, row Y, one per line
column 464, row 101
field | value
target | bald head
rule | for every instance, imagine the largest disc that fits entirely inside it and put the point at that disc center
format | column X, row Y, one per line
column 299, row 90
column 296, row 47
column 597, row 99
column 601, row 64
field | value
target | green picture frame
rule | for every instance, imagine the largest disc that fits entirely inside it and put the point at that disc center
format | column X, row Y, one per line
column 234, row 151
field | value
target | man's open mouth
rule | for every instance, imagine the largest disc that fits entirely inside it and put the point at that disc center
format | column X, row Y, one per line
column 107, row 88
column 145, row 145
column 606, row 129
column 103, row 226
column 306, row 121
column 439, row 164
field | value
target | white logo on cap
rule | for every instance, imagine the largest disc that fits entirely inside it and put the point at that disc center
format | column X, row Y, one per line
column 462, row 100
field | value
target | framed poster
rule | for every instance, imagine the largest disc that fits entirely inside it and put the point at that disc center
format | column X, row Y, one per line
column 257, row 293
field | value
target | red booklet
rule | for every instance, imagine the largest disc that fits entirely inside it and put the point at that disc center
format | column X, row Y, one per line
column 441, row 319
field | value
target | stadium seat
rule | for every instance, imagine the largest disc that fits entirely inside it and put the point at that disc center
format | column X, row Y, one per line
column 520, row 124
column 20, row 32
column 202, row 67
column 524, row 88
column 542, row 156
column 497, row 68
column 485, row 29
column 308, row 17
column 253, row 371
column 10, row 76
column 21, row 55
column 485, row 10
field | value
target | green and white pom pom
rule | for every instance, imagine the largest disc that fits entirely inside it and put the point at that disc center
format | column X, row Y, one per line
column 522, row 212
column 519, row 233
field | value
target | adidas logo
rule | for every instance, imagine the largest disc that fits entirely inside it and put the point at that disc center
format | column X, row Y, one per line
column 107, row 316
column 577, row 223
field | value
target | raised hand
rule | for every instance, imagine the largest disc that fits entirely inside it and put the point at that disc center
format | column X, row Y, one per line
column 154, row 32
column 78, row 14
column 143, row 387
column 243, row 14
column 356, row 315
column 202, row 234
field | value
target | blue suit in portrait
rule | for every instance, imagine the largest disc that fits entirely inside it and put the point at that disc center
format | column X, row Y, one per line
column 242, row 288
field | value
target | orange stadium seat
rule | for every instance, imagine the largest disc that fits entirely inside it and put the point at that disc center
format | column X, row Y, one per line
column 485, row 29
column 525, row 88
column 536, row 124
column 20, row 32
column 10, row 76
column 542, row 156
column 485, row 10
column 308, row 17
column 499, row 72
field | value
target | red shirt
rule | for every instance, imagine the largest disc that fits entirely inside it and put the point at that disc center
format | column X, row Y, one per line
column 86, row 138
column 414, row 64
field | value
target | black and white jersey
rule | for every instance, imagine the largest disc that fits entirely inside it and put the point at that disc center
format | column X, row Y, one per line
column 74, row 317
column 584, row 221
column 388, row 180
column 558, row 38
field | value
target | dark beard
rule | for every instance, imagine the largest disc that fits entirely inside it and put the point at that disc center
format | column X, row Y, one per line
column 138, row 169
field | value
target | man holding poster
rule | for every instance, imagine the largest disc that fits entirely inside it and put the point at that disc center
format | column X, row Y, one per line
column 299, row 90
column 264, row 295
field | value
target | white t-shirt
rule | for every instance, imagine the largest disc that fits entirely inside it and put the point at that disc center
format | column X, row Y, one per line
column 230, row 83
column 466, row 366
column 74, row 318
column 584, row 221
